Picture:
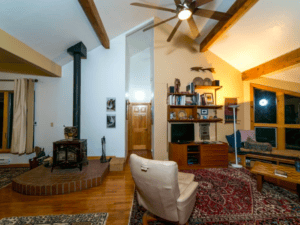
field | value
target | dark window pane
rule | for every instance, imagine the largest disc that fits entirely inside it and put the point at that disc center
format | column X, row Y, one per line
column 265, row 107
column 10, row 119
column 266, row 134
column 1, row 117
column 292, row 109
column 292, row 138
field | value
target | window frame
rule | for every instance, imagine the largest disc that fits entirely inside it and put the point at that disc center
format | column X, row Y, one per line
column 280, row 125
column 5, row 122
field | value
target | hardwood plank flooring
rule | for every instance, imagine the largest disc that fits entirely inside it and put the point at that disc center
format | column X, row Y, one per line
column 114, row 196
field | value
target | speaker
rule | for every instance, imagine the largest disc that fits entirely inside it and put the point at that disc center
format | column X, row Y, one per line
column 171, row 89
column 216, row 83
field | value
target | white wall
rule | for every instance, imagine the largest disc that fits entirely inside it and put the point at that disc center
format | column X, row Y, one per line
column 139, row 78
column 53, row 103
column 103, row 75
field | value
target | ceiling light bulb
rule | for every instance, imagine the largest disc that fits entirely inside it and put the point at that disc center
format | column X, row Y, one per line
column 184, row 14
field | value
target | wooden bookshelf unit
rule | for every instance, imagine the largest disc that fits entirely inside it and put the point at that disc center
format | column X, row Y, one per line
column 198, row 156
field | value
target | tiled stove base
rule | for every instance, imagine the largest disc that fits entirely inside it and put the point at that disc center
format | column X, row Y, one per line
column 40, row 181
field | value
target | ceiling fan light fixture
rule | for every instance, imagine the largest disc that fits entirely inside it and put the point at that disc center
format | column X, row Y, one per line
column 184, row 14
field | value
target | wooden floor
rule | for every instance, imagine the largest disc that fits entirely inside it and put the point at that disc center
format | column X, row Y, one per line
column 114, row 196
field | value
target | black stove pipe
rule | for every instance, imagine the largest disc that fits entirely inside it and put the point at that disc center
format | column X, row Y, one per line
column 78, row 51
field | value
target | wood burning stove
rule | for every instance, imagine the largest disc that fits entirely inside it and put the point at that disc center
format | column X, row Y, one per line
column 68, row 154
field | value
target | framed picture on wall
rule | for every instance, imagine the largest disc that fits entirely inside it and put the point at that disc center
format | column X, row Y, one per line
column 110, row 104
column 111, row 121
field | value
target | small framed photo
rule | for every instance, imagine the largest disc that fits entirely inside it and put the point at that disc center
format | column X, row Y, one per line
column 204, row 112
column 110, row 104
column 209, row 98
column 173, row 116
column 111, row 121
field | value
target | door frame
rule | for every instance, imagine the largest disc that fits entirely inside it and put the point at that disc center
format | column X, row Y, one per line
column 149, row 131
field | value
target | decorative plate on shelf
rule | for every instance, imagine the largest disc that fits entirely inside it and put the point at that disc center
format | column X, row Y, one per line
column 182, row 115
column 207, row 82
column 198, row 81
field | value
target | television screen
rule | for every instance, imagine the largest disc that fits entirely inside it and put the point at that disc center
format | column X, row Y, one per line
column 182, row 133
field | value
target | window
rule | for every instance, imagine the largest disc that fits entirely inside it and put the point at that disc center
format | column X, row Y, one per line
column 265, row 106
column 275, row 116
column 266, row 134
column 292, row 109
column 6, row 120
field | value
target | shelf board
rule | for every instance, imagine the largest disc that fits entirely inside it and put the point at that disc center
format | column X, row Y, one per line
column 208, row 87
column 198, row 106
column 198, row 121
column 180, row 94
column 209, row 106
column 182, row 106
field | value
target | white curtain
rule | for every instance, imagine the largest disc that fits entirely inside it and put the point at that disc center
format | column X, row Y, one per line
column 22, row 135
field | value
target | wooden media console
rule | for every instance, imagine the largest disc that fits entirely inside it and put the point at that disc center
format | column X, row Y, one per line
column 197, row 155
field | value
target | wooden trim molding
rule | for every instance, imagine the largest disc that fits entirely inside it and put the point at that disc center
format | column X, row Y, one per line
column 92, row 14
column 279, row 63
column 15, row 165
column 237, row 10
column 17, row 57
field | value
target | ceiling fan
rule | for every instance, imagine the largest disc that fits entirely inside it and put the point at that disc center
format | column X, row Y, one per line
column 185, row 11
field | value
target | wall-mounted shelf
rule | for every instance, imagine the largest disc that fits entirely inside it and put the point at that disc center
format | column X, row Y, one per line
column 197, row 106
column 181, row 94
column 208, row 87
column 191, row 110
column 198, row 121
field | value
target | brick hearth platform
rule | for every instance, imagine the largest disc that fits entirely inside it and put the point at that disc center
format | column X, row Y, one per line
column 40, row 181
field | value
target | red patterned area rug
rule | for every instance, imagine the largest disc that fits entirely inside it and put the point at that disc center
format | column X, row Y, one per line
column 230, row 196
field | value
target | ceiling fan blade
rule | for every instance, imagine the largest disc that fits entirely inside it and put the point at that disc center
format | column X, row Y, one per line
column 193, row 27
column 155, row 25
column 177, row 2
column 153, row 7
column 212, row 14
column 174, row 30
column 201, row 2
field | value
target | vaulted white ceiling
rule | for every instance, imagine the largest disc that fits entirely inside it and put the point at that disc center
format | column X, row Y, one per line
column 270, row 29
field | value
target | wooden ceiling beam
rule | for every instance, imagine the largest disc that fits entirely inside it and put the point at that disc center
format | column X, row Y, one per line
column 37, row 64
column 237, row 10
column 279, row 63
column 92, row 14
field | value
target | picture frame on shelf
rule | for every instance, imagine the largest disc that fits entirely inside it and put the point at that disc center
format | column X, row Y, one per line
column 173, row 116
column 204, row 112
column 209, row 98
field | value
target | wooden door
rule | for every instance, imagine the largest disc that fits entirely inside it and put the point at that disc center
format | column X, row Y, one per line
column 139, row 125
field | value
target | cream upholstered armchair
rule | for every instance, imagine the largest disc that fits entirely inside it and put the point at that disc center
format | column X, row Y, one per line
column 162, row 190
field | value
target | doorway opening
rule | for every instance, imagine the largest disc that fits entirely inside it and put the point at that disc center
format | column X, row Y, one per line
column 139, row 91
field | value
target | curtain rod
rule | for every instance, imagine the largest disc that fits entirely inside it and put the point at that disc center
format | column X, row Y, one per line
column 34, row 80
